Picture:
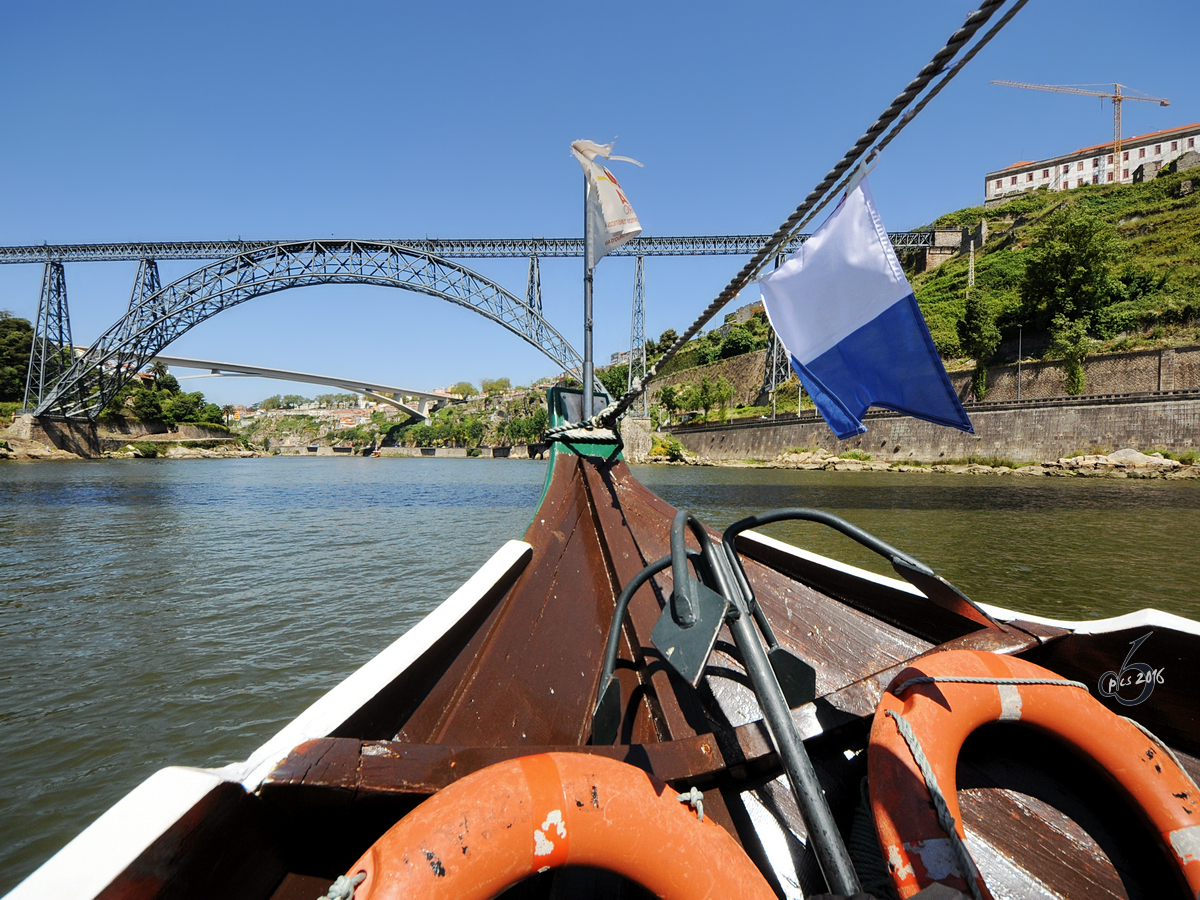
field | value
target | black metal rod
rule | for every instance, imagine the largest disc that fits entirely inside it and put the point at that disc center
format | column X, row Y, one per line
column 827, row 841
column 868, row 540
column 760, row 617
column 614, row 630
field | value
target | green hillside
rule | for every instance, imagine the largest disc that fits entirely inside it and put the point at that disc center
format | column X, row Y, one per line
column 1132, row 280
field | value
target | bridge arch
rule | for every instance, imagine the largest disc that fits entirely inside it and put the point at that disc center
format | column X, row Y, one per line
column 164, row 315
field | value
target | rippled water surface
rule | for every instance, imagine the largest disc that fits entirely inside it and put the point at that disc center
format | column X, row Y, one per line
column 158, row 612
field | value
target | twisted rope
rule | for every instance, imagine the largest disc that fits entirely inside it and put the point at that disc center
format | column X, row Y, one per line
column 343, row 888
column 966, row 679
column 813, row 204
column 966, row 864
column 695, row 799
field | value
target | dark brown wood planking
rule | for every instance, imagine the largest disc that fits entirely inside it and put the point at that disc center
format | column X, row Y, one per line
column 529, row 675
column 596, row 529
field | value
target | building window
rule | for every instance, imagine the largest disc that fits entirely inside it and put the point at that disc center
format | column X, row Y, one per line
column 1110, row 159
column 1142, row 153
column 1125, row 156
column 1014, row 180
column 999, row 184
column 1157, row 149
column 1045, row 173
column 1095, row 179
column 1191, row 142
column 1066, row 169
column 1029, row 177
column 1079, row 166
column 1096, row 163
column 1174, row 145
column 1110, row 176
column 1124, row 173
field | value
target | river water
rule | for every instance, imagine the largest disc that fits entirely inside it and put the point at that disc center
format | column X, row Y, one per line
column 158, row 612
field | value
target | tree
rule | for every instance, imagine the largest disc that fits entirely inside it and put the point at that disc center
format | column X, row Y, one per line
column 539, row 420
column 738, row 340
column 168, row 383
column 705, row 396
column 665, row 340
column 614, row 378
column 227, row 411
column 669, row 400
column 474, row 429
column 699, row 396
column 722, row 393
column 464, row 389
column 332, row 400
column 979, row 336
column 1068, row 268
column 146, row 405
column 1069, row 340
column 16, row 340
column 181, row 407
column 270, row 403
column 495, row 385
column 706, row 353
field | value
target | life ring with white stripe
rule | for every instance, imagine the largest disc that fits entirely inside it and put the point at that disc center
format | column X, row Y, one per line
column 500, row 825
column 933, row 705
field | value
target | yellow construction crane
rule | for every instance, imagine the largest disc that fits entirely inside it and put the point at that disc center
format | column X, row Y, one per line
column 1083, row 89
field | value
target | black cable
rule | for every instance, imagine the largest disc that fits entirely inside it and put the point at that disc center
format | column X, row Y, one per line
column 976, row 20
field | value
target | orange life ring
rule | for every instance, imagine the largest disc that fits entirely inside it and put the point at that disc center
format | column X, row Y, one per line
column 942, row 714
column 514, row 819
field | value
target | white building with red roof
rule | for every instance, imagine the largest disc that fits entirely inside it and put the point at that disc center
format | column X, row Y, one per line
column 1094, row 165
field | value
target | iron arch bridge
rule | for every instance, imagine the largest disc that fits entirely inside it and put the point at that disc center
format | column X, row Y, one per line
column 158, row 315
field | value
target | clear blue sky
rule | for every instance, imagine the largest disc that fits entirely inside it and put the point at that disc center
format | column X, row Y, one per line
column 126, row 121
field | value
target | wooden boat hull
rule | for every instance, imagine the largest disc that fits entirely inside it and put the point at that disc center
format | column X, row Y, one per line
column 510, row 666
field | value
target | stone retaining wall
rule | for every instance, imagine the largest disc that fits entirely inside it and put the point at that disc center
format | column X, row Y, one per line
column 1164, row 369
column 744, row 372
column 1023, row 433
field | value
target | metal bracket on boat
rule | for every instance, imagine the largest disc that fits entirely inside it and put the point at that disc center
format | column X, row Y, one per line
column 687, row 629
column 911, row 569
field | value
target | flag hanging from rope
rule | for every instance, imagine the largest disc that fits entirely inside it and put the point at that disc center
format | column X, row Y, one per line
column 611, row 221
column 851, row 325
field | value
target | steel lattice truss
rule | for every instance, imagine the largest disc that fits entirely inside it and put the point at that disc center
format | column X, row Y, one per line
column 160, row 317
column 51, row 351
column 637, row 331
column 461, row 248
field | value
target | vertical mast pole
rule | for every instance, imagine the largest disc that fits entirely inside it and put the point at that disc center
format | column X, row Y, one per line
column 587, row 309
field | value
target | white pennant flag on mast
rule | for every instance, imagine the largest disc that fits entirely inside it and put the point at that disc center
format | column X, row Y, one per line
column 611, row 221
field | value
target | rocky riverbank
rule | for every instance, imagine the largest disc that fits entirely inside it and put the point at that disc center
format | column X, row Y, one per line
column 22, row 449
column 1126, row 463
column 144, row 450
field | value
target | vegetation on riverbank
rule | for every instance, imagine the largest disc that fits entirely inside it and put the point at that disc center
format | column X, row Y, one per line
column 1101, row 268
column 158, row 398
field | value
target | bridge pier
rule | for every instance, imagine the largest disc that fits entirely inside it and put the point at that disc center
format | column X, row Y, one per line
column 78, row 436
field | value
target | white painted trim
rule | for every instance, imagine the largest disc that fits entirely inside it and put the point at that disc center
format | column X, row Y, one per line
column 103, row 850
column 340, row 703
column 1145, row 618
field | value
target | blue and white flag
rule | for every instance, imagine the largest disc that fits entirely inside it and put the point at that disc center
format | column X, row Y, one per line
column 848, row 318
